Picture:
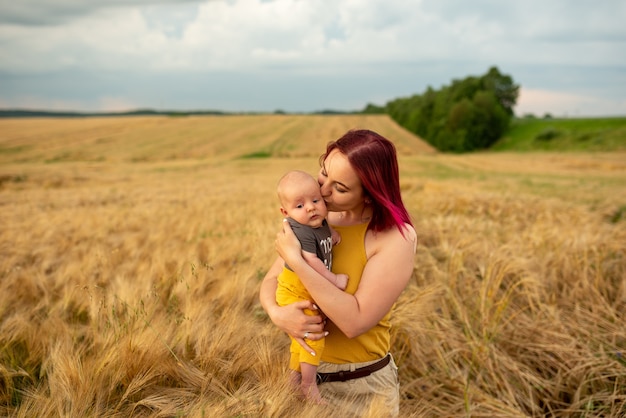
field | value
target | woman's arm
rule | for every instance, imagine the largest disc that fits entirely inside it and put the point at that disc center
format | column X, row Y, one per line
column 339, row 280
column 386, row 274
column 290, row 318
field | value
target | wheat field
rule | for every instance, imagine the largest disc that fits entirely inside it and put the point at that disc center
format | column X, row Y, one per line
column 132, row 250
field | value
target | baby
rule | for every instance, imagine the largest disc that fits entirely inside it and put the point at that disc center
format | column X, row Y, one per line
column 305, row 210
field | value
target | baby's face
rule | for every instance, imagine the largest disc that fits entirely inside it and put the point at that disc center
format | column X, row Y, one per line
column 305, row 205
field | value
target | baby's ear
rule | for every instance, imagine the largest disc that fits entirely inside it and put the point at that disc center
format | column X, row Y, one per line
column 283, row 211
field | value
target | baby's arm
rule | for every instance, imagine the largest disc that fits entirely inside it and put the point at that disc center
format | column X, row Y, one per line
column 339, row 280
column 335, row 236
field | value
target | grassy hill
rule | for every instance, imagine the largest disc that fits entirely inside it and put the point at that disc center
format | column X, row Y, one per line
column 132, row 250
column 584, row 134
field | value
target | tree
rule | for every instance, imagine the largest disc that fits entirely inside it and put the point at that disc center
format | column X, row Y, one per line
column 373, row 109
column 469, row 114
column 503, row 87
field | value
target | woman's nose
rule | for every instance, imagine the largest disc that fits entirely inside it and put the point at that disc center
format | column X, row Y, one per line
column 325, row 191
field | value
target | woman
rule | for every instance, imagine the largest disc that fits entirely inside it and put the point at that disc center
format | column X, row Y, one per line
column 359, row 181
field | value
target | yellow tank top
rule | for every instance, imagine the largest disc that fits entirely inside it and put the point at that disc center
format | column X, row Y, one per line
column 349, row 257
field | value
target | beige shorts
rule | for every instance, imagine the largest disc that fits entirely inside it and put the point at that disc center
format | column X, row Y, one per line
column 376, row 395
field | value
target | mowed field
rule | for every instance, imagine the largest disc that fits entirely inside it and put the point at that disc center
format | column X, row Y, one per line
column 132, row 250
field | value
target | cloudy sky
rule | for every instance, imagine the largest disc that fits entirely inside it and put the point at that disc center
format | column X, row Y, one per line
column 568, row 56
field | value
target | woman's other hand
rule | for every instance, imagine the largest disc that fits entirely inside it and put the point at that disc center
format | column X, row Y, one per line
column 292, row 320
column 288, row 246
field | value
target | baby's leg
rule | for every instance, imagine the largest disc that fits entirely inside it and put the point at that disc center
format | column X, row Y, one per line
column 295, row 379
column 309, row 386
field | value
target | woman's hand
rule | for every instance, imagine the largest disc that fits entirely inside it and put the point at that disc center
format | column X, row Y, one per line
column 292, row 320
column 288, row 245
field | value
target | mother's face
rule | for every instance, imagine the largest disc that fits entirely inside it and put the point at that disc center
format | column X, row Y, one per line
column 340, row 186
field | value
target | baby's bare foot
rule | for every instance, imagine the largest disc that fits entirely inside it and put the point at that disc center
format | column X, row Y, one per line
column 312, row 393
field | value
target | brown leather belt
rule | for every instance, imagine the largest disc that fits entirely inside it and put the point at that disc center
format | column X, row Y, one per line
column 345, row 375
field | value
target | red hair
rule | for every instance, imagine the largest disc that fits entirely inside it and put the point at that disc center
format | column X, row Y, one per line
column 373, row 158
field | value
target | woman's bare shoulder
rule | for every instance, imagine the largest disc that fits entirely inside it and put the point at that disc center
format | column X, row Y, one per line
column 391, row 239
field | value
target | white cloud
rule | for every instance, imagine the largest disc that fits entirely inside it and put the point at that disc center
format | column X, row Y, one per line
column 55, row 12
column 245, row 33
column 553, row 46
column 115, row 104
column 541, row 102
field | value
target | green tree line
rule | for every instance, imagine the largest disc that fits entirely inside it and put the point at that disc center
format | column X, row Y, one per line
column 467, row 115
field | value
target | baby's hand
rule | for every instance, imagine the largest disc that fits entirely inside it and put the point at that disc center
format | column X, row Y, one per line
column 341, row 281
column 336, row 237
